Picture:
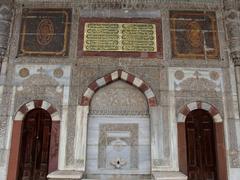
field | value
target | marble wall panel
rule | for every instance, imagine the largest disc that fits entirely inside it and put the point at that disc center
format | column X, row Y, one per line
column 45, row 32
column 112, row 138
column 194, row 35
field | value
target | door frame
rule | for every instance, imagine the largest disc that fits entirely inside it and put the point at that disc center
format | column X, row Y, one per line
column 17, row 132
column 218, row 127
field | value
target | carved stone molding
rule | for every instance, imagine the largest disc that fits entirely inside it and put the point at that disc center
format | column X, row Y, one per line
column 128, row 4
column 5, row 23
column 236, row 58
column 232, row 17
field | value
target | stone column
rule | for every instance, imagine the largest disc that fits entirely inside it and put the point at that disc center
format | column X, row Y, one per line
column 232, row 22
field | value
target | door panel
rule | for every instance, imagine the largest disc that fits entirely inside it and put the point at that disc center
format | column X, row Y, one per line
column 35, row 143
column 200, row 146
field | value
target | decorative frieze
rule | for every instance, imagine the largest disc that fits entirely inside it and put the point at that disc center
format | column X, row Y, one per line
column 127, row 4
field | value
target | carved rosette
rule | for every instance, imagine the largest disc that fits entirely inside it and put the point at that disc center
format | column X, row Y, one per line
column 5, row 23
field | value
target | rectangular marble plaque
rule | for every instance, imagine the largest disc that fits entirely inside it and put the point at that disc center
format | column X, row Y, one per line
column 45, row 32
column 128, row 37
column 194, row 35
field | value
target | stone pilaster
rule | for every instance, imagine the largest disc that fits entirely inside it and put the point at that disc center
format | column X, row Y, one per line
column 232, row 22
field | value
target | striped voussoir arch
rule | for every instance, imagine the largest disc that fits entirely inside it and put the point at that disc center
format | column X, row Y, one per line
column 199, row 105
column 114, row 76
column 24, row 109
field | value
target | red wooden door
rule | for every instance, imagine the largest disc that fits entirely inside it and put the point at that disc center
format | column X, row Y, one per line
column 35, row 143
column 200, row 146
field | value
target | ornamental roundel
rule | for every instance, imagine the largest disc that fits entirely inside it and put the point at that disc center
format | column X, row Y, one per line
column 194, row 34
column 58, row 73
column 45, row 32
column 24, row 72
column 214, row 75
column 179, row 75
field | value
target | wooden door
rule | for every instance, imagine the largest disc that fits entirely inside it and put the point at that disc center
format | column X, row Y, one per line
column 35, row 143
column 200, row 146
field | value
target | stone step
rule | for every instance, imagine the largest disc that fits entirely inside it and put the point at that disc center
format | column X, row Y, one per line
column 169, row 175
column 118, row 177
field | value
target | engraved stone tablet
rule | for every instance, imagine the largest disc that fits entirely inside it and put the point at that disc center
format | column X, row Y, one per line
column 128, row 37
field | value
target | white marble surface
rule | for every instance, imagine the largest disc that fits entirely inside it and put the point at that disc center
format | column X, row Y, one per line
column 169, row 175
column 63, row 174
column 143, row 145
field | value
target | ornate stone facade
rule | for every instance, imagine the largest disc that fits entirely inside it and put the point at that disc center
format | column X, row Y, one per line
column 126, row 98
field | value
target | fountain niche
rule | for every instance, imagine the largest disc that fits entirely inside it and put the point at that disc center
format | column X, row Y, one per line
column 118, row 134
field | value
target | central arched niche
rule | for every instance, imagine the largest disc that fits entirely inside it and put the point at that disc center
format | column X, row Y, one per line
column 118, row 132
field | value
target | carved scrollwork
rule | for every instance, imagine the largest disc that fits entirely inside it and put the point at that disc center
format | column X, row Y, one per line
column 119, row 98
column 5, row 23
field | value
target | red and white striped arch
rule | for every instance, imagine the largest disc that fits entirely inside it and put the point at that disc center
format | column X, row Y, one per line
column 24, row 109
column 17, row 131
column 114, row 76
column 199, row 105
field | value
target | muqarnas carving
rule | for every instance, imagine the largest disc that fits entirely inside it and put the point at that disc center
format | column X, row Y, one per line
column 194, row 35
column 45, row 32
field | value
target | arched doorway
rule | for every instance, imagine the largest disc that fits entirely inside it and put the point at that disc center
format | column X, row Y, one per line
column 218, row 144
column 201, row 153
column 36, row 114
column 35, row 143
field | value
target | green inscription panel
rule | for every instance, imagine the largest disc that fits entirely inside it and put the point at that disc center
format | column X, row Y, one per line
column 130, row 37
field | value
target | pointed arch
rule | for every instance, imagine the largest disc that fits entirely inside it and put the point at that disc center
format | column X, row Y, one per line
column 182, row 114
column 114, row 76
column 24, row 109
column 17, row 130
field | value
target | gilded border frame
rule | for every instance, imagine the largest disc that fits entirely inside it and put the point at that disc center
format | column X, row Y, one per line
column 67, row 14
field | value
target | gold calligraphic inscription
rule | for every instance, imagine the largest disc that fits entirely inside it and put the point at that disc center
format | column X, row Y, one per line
column 131, row 37
column 45, row 32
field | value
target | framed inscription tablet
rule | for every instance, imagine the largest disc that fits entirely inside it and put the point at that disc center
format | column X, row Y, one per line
column 45, row 32
column 134, row 37
column 120, row 37
column 194, row 35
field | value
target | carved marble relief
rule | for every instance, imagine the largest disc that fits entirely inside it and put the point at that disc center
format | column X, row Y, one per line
column 119, row 98
column 40, row 82
column 5, row 23
column 191, row 84
column 45, row 32
column 194, row 35
column 198, row 80
column 118, row 146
